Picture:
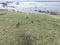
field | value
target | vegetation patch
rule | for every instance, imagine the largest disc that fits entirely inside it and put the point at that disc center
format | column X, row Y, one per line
column 37, row 29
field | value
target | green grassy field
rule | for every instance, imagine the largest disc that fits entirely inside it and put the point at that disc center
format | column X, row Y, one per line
column 33, row 29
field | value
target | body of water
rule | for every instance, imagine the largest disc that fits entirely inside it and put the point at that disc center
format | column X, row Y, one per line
column 44, row 6
column 30, row 7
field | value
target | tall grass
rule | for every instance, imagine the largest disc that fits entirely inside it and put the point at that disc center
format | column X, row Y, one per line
column 33, row 29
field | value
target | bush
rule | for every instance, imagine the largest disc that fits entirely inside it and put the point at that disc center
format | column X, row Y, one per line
column 27, row 17
column 38, row 20
column 26, row 39
column 32, row 21
column 3, row 13
column 53, row 13
column 17, row 25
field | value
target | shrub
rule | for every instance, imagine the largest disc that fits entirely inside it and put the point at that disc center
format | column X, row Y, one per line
column 32, row 21
column 17, row 25
column 38, row 20
column 26, row 39
column 53, row 13
column 3, row 13
column 27, row 17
